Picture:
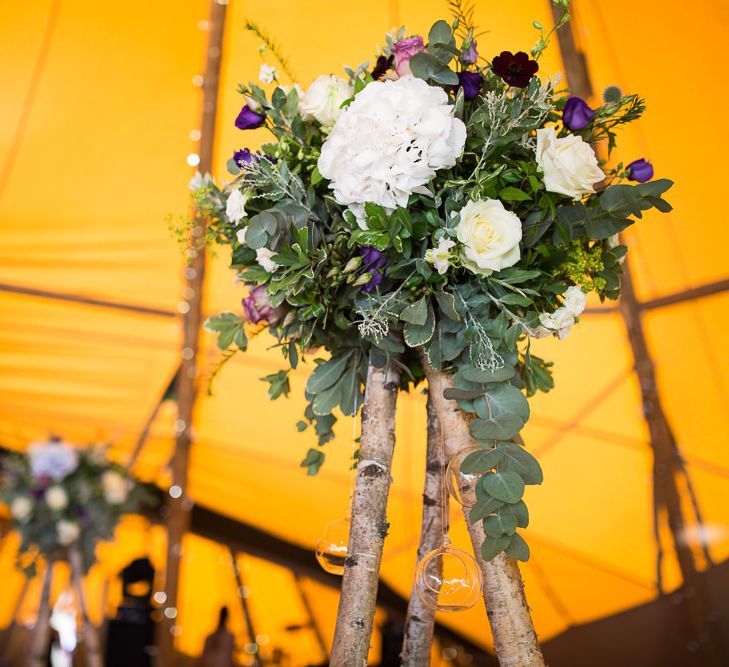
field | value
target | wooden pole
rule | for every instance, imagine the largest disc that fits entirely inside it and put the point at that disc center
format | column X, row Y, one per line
column 420, row 619
column 515, row 640
column 92, row 646
column 667, row 460
column 177, row 511
column 38, row 655
column 312, row 618
column 8, row 634
column 369, row 520
column 244, row 606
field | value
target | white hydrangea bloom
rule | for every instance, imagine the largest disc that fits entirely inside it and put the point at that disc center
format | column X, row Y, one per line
column 267, row 73
column 389, row 143
column 53, row 459
column 263, row 257
column 235, row 207
column 440, row 256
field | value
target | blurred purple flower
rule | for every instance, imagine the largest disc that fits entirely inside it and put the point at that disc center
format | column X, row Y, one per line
column 248, row 119
column 576, row 114
column 471, row 83
column 243, row 157
column 404, row 50
column 258, row 308
column 640, row 170
column 470, row 55
column 374, row 262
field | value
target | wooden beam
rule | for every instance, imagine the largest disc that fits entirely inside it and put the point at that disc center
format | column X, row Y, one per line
column 178, row 514
column 702, row 291
column 666, row 456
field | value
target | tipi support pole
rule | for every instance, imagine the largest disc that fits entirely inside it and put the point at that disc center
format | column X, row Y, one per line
column 38, row 656
column 91, row 637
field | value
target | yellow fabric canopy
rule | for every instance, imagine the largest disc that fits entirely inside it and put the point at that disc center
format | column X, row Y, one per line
column 98, row 118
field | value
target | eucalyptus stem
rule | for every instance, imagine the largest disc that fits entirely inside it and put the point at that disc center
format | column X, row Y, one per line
column 369, row 525
column 515, row 640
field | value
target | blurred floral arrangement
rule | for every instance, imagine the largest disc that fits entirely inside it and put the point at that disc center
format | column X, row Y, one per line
column 61, row 496
column 436, row 201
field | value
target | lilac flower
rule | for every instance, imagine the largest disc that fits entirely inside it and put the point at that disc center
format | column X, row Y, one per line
column 640, row 170
column 373, row 262
column 258, row 308
column 404, row 50
column 576, row 114
column 243, row 157
column 471, row 83
column 470, row 55
column 248, row 119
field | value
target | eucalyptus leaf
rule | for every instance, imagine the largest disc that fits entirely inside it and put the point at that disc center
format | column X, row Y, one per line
column 482, row 460
column 501, row 524
column 327, row 373
column 506, row 486
column 518, row 548
column 483, row 508
column 519, row 460
column 493, row 546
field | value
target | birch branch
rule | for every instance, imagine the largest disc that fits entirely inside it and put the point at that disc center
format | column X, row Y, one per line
column 515, row 640
column 369, row 520
column 420, row 618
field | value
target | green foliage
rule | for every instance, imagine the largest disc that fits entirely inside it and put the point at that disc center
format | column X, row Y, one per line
column 230, row 330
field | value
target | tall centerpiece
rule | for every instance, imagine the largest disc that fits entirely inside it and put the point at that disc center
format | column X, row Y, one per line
column 426, row 216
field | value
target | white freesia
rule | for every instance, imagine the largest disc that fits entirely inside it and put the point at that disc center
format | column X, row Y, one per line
column 116, row 489
column 235, row 207
column 562, row 320
column 574, row 300
column 389, row 142
column 56, row 498
column 21, row 508
column 54, row 459
column 263, row 257
column 323, row 100
column 440, row 256
column 67, row 532
column 490, row 236
column 267, row 73
column 241, row 235
column 569, row 164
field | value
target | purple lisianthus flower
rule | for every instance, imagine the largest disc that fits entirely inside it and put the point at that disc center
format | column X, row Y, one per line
column 243, row 157
column 374, row 262
column 517, row 69
column 404, row 50
column 248, row 119
column 470, row 55
column 471, row 83
column 576, row 114
column 258, row 308
column 640, row 170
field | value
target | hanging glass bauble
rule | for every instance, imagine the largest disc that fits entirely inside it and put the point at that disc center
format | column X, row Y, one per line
column 448, row 579
column 331, row 547
column 462, row 486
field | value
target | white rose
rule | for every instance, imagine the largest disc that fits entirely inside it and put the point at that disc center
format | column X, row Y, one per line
column 241, row 235
column 21, row 508
column 574, row 300
column 323, row 101
column 235, row 207
column 263, row 257
column 560, row 322
column 568, row 163
column 440, row 255
column 115, row 487
column 267, row 73
column 67, row 532
column 56, row 498
column 490, row 236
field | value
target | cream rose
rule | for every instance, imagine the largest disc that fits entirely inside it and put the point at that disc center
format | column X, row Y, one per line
column 56, row 498
column 115, row 487
column 490, row 236
column 21, row 508
column 568, row 163
column 67, row 532
column 323, row 100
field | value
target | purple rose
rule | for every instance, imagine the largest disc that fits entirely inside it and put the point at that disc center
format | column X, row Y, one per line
column 373, row 262
column 243, row 157
column 471, row 84
column 470, row 55
column 248, row 119
column 640, row 170
column 576, row 114
column 516, row 69
column 404, row 50
column 258, row 308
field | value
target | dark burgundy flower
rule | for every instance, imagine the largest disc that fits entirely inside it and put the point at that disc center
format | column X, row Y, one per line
column 248, row 119
column 576, row 114
column 470, row 55
column 640, row 170
column 382, row 66
column 516, row 69
column 471, row 83
column 373, row 262
column 258, row 308
column 243, row 157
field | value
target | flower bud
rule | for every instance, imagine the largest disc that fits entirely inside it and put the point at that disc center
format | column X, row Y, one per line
column 576, row 114
column 640, row 170
column 353, row 264
column 363, row 279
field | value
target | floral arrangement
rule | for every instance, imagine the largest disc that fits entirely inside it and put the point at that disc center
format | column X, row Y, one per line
column 436, row 201
column 61, row 496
